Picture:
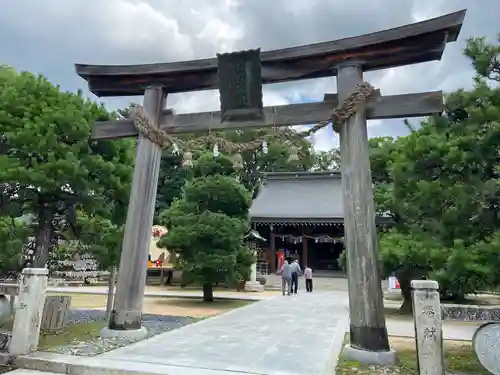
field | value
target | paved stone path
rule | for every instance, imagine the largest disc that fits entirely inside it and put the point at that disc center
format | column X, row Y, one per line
column 296, row 335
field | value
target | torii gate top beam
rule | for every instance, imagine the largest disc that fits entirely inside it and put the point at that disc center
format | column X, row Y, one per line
column 410, row 44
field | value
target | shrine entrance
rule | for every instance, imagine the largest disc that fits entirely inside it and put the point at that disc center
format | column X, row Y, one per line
column 239, row 77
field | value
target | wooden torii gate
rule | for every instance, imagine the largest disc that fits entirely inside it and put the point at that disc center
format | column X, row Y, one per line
column 347, row 59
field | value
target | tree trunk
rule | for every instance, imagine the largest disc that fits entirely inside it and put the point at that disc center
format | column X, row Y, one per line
column 406, row 308
column 44, row 235
column 405, row 279
column 208, row 292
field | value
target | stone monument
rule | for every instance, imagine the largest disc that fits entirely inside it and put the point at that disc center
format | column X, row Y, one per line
column 486, row 344
column 428, row 327
column 253, row 285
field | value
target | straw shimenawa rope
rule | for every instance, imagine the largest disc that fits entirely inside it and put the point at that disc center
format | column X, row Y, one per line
column 145, row 127
column 346, row 110
column 338, row 116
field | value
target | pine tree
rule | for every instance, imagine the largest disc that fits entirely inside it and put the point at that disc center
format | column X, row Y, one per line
column 50, row 166
column 208, row 224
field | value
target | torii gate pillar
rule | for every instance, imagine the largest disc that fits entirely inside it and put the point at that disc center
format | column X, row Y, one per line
column 366, row 308
column 126, row 316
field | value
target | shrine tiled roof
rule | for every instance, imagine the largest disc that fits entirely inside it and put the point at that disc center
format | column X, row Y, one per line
column 303, row 197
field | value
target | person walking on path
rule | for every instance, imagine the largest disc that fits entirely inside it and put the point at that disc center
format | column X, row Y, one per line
column 308, row 276
column 295, row 275
column 286, row 277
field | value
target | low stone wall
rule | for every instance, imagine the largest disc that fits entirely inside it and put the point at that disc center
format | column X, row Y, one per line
column 464, row 313
column 470, row 313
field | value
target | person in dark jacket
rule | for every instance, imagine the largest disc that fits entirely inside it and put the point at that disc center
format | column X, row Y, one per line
column 295, row 267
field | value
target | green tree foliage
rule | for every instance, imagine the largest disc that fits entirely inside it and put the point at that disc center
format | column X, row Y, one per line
column 171, row 181
column 484, row 57
column 409, row 256
column 101, row 238
column 47, row 161
column 382, row 153
column 327, row 160
column 13, row 235
column 277, row 157
column 208, row 224
column 441, row 183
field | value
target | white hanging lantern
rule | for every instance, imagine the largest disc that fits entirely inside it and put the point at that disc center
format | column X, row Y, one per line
column 175, row 149
column 187, row 161
column 216, row 151
column 265, row 148
column 294, row 154
column 238, row 162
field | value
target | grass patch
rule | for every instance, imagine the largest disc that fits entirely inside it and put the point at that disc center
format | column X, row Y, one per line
column 95, row 301
column 459, row 358
column 169, row 306
column 70, row 334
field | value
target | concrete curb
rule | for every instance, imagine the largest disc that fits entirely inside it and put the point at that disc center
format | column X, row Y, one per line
column 81, row 365
column 73, row 365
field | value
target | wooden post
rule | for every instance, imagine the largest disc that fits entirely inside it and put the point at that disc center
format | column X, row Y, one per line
column 111, row 292
column 272, row 257
column 162, row 276
column 367, row 322
column 305, row 251
column 127, row 311
column 54, row 314
column 428, row 327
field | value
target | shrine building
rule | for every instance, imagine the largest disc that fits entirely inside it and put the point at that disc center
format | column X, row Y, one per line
column 301, row 215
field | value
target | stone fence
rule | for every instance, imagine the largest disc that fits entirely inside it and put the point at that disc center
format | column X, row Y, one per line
column 470, row 313
column 460, row 312
column 27, row 300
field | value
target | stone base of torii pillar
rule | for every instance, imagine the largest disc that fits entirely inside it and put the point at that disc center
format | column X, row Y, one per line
column 253, row 285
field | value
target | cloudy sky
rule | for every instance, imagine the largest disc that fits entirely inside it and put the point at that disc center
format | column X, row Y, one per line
column 49, row 36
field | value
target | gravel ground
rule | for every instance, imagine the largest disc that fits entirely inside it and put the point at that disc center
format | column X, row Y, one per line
column 155, row 325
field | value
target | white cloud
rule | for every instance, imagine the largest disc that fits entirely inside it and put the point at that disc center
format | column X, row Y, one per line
column 221, row 35
column 50, row 36
column 138, row 26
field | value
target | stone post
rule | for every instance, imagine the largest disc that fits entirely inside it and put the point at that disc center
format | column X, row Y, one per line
column 126, row 316
column 28, row 311
column 253, row 276
column 369, row 340
column 252, row 285
column 428, row 327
